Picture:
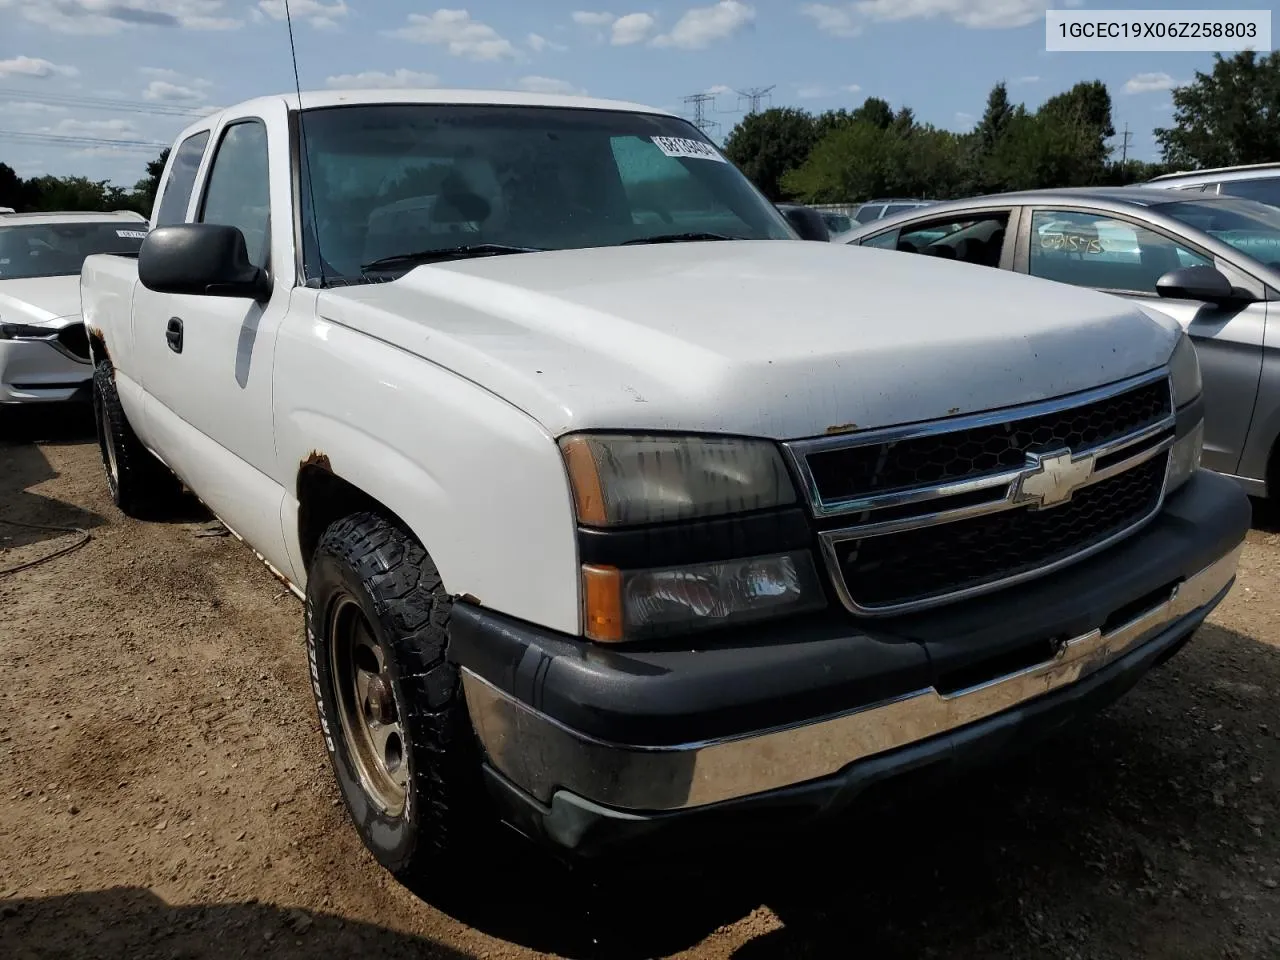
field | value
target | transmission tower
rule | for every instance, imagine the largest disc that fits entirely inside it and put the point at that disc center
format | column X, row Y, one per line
column 698, row 103
column 1124, row 146
column 754, row 96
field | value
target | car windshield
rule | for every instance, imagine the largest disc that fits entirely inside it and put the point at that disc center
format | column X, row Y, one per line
column 1252, row 228
column 58, row 249
column 389, row 180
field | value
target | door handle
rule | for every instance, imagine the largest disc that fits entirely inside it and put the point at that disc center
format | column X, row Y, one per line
column 173, row 334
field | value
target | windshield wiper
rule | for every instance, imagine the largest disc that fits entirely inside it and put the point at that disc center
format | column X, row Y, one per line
column 444, row 253
column 679, row 238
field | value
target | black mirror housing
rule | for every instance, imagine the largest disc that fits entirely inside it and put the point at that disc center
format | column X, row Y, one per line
column 1197, row 283
column 808, row 223
column 201, row 259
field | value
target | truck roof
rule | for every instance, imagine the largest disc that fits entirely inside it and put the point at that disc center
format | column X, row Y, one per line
column 72, row 216
column 314, row 99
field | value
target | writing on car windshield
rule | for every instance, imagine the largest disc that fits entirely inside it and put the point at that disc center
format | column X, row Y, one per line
column 59, row 249
column 388, row 181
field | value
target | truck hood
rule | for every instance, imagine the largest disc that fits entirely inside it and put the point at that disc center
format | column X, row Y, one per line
column 39, row 300
column 780, row 339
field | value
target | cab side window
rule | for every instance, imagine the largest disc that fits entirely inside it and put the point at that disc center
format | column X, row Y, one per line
column 972, row 238
column 182, row 180
column 237, row 193
column 1092, row 250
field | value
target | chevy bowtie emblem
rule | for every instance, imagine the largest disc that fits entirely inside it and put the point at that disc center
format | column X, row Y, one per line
column 1051, row 479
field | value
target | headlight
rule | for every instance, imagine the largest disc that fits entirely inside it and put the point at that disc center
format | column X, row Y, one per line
column 1184, row 372
column 620, row 605
column 623, row 480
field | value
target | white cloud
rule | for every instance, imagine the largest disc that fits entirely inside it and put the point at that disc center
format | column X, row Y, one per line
column 112, row 16
column 322, row 16
column 29, row 107
column 165, row 91
column 1149, row 83
column 702, row 26
column 963, row 117
column 848, row 19
column 813, row 91
column 377, row 80
column 1022, row 81
column 837, row 21
column 633, row 28
column 538, row 43
column 34, row 67
column 588, row 18
column 110, row 129
column 459, row 34
column 718, row 90
column 852, row 88
column 549, row 85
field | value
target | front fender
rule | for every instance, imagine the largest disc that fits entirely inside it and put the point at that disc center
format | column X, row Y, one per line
column 479, row 482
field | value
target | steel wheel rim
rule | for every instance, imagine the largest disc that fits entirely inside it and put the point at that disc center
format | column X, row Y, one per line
column 108, row 444
column 368, row 710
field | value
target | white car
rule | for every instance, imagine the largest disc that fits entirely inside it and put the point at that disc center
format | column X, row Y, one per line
column 44, row 353
column 619, row 513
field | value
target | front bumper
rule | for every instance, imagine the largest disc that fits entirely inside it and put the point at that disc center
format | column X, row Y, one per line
column 593, row 748
column 35, row 371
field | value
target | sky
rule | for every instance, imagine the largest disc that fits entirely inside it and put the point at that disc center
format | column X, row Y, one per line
column 76, row 73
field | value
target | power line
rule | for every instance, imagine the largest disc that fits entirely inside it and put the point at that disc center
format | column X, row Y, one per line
column 105, row 103
column 1124, row 146
column 67, row 140
column 754, row 96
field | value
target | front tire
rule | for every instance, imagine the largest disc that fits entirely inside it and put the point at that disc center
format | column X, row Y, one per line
column 140, row 485
column 389, row 701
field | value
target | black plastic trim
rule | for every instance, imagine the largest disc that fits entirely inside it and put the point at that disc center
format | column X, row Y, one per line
column 701, row 541
column 1188, row 415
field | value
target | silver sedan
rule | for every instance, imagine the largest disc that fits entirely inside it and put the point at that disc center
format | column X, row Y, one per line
column 1210, row 263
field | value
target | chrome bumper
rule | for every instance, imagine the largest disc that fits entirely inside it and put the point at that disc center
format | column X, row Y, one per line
column 540, row 756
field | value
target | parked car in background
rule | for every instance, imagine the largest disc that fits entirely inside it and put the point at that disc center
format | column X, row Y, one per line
column 808, row 223
column 1259, row 181
column 837, row 223
column 879, row 209
column 44, row 353
column 618, row 532
column 1210, row 262
column 4, row 210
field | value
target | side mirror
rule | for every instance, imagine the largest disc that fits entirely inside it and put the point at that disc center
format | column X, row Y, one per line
column 1197, row 283
column 808, row 223
column 204, row 259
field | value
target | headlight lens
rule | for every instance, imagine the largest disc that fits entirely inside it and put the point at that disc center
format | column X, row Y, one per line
column 1184, row 458
column 621, row 480
column 624, row 605
column 1184, row 372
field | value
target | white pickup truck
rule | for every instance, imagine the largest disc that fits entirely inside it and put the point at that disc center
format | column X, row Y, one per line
column 618, row 513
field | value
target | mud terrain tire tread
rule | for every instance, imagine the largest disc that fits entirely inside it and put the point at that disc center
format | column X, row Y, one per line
column 143, row 487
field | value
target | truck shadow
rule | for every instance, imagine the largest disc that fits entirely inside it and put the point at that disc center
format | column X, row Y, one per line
column 1120, row 837
column 23, row 465
column 128, row 923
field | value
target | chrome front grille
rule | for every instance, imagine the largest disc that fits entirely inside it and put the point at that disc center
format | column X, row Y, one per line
column 918, row 516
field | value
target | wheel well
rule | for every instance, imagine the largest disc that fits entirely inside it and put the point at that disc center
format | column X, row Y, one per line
column 324, row 498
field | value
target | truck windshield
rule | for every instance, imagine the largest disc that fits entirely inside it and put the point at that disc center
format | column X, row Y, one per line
column 58, row 249
column 1252, row 228
column 389, row 181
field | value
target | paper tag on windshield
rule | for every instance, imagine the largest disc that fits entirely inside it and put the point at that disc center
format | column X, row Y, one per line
column 684, row 147
column 132, row 234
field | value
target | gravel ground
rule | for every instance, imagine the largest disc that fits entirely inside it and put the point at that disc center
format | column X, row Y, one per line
column 164, row 792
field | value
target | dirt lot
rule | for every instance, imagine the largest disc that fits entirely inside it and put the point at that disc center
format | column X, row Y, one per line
column 164, row 793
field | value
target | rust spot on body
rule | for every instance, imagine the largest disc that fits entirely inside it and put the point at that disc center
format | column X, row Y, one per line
column 953, row 410
column 841, row 428
column 470, row 598
column 316, row 459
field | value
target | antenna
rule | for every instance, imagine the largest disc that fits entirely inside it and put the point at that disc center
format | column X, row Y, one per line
column 304, row 160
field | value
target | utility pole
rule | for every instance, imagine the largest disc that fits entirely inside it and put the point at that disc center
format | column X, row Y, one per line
column 1124, row 146
column 754, row 96
column 698, row 102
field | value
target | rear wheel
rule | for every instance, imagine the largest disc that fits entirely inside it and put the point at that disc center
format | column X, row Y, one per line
column 140, row 485
column 390, row 702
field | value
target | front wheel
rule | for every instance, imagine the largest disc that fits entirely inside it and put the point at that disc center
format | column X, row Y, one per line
column 389, row 701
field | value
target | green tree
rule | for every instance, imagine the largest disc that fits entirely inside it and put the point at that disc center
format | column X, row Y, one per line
column 768, row 144
column 862, row 160
column 13, row 189
column 1083, row 115
column 995, row 119
column 1227, row 117
column 876, row 112
column 145, row 190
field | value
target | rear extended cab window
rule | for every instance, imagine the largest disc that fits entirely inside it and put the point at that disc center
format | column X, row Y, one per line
column 1264, row 190
column 182, row 180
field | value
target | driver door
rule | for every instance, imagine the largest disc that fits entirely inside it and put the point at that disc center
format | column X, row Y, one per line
column 1115, row 254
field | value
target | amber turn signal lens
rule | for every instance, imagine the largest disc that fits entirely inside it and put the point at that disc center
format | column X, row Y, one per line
column 584, row 477
column 602, row 603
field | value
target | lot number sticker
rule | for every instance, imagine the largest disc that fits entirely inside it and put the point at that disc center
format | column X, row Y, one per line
column 684, row 147
column 132, row 234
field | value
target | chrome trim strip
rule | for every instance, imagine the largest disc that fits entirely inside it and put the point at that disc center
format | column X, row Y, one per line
column 797, row 451
column 542, row 756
